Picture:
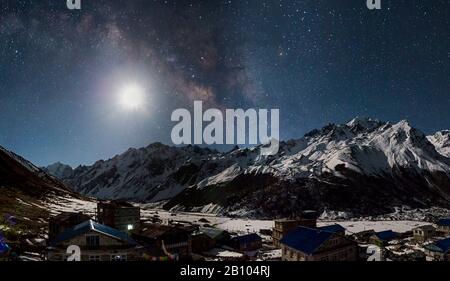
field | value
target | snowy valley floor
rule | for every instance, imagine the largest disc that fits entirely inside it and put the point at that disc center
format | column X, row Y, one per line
column 399, row 224
column 238, row 225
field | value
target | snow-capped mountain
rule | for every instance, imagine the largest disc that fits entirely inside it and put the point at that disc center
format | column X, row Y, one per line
column 59, row 170
column 441, row 140
column 153, row 173
column 364, row 166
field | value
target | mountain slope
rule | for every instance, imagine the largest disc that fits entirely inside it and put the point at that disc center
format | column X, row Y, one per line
column 441, row 140
column 154, row 173
column 27, row 195
column 365, row 166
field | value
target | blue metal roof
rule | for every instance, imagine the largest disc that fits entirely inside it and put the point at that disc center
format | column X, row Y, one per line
column 441, row 245
column 386, row 235
column 90, row 225
column 248, row 238
column 444, row 222
column 306, row 240
column 335, row 228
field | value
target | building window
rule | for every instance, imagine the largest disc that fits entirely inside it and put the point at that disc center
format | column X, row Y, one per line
column 94, row 258
column 93, row 241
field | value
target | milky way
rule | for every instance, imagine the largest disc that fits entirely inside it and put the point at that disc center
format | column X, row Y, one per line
column 317, row 61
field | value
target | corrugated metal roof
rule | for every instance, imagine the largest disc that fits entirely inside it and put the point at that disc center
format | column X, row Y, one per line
column 386, row 235
column 442, row 246
column 90, row 225
column 335, row 228
column 306, row 240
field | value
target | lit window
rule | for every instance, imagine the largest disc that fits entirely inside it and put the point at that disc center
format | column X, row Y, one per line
column 130, row 227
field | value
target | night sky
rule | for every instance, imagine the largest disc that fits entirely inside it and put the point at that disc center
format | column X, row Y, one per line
column 319, row 62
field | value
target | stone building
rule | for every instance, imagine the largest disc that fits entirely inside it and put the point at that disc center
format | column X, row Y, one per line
column 424, row 233
column 120, row 215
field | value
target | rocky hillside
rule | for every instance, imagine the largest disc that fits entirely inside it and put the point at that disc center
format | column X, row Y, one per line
column 28, row 197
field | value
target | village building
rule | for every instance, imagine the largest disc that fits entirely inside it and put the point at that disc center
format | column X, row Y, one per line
column 220, row 236
column 246, row 243
column 64, row 221
column 443, row 226
column 439, row 250
column 96, row 242
column 312, row 244
column 201, row 242
column 283, row 226
column 173, row 242
column 382, row 238
column 117, row 214
column 424, row 233
column 335, row 228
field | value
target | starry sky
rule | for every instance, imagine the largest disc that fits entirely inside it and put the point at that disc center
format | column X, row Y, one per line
column 318, row 61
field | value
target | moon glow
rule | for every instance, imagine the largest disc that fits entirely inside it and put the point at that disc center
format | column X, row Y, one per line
column 132, row 97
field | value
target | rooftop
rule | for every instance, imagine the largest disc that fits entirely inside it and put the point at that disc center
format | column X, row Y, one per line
column 386, row 235
column 306, row 240
column 90, row 225
column 212, row 232
column 335, row 228
column 425, row 227
column 157, row 230
column 442, row 246
column 248, row 238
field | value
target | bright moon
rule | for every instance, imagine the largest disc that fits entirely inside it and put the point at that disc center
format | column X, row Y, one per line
column 132, row 97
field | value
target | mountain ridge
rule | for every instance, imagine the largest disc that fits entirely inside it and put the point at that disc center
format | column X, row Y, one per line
column 399, row 158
